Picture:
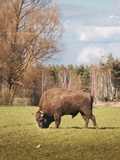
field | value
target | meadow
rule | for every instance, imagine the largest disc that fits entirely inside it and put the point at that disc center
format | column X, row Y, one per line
column 21, row 139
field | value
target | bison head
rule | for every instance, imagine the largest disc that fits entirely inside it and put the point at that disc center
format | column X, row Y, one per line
column 41, row 119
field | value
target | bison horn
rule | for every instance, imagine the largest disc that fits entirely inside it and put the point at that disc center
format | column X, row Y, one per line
column 41, row 112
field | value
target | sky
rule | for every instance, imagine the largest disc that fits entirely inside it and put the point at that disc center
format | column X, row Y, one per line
column 91, row 31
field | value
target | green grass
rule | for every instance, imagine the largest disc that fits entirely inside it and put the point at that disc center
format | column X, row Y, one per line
column 20, row 136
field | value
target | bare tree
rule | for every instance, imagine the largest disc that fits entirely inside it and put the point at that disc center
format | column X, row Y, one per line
column 63, row 76
column 101, row 83
column 29, row 32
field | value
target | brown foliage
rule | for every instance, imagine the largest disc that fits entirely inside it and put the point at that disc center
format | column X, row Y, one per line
column 29, row 32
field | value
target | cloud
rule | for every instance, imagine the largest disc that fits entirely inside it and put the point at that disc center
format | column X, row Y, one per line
column 89, row 16
column 96, row 33
column 91, row 32
column 86, row 25
column 117, row 3
column 91, row 55
column 113, row 17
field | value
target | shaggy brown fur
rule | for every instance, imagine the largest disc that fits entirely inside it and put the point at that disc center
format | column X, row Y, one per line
column 57, row 102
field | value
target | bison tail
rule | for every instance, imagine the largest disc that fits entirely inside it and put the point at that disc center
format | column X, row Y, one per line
column 91, row 102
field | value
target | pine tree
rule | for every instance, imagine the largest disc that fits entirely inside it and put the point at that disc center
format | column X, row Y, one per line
column 86, row 80
column 116, row 77
column 110, row 59
column 79, row 70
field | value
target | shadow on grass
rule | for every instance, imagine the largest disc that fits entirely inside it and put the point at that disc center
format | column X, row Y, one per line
column 75, row 127
column 109, row 128
column 102, row 128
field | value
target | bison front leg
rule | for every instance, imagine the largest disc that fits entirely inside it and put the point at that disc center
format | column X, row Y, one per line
column 57, row 119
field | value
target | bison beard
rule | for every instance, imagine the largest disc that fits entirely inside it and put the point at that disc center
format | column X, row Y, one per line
column 57, row 102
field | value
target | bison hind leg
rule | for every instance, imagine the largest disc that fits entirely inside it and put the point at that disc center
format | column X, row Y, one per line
column 94, row 121
column 86, row 119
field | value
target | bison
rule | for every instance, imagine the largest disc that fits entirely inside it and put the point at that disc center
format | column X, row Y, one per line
column 57, row 102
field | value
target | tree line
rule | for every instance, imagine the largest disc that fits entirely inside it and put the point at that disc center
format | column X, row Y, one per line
column 102, row 81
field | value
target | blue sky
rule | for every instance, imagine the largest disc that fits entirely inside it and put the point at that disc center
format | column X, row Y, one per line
column 91, row 30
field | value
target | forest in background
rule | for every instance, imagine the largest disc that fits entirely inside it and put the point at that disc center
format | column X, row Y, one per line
column 30, row 34
column 102, row 81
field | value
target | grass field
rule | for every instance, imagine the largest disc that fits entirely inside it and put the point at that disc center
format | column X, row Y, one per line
column 21, row 139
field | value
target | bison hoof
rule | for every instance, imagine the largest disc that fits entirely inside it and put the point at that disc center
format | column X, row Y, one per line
column 96, row 127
